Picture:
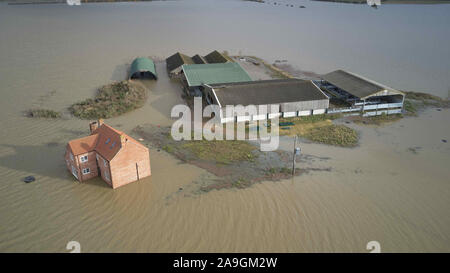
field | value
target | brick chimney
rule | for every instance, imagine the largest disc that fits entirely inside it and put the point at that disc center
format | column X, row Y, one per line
column 93, row 126
column 123, row 139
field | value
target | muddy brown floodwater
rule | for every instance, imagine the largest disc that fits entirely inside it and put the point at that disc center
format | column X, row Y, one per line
column 393, row 188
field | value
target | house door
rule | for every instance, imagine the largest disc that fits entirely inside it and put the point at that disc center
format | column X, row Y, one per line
column 74, row 172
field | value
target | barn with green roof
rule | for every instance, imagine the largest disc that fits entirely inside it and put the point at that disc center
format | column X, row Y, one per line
column 201, row 74
column 143, row 68
column 197, row 76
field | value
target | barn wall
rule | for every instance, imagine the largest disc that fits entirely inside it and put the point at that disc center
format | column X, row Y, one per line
column 289, row 114
column 224, row 111
column 289, row 109
column 318, row 111
column 304, row 113
column 304, row 105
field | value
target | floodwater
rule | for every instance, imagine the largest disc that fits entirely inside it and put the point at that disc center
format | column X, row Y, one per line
column 394, row 188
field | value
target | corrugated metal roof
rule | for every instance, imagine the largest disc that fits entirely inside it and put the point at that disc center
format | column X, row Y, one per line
column 177, row 60
column 217, row 57
column 267, row 92
column 199, row 59
column 356, row 85
column 199, row 74
column 143, row 65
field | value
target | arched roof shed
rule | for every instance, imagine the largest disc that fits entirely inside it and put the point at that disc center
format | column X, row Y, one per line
column 143, row 68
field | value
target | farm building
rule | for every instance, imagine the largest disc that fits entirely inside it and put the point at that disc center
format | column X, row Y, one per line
column 143, row 68
column 216, row 57
column 197, row 75
column 109, row 153
column 293, row 97
column 175, row 62
column 199, row 59
column 359, row 95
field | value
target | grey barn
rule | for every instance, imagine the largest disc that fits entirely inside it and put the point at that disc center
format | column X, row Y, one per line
column 293, row 97
column 361, row 95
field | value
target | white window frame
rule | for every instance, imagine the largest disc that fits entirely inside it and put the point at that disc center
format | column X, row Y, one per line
column 84, row 158
column 86, row 171
column 105, row 163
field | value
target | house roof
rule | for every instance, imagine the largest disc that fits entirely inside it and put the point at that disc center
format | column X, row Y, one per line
column 199, row 74
column 199, row 59
column 109, row 141
column 267, row 92
column 356, row 85
column 177, row 60
column 217, row 57
column 143, row 65
column 83, row 145
column 105, row 140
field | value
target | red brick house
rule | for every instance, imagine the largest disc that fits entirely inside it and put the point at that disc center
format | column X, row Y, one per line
column 109, row 153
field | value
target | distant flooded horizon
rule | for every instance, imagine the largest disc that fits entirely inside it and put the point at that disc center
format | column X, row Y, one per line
column 403, row 46
column 392, row 188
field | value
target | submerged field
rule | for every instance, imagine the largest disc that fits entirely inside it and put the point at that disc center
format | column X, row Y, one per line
column 390, row 1
column 235, row 163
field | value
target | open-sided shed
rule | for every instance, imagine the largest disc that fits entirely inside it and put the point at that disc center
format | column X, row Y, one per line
column 361, row 93
column 359, row 86
column 143, row 68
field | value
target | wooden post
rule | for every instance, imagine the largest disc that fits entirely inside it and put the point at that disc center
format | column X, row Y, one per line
column 293, row 158
column 137, row 171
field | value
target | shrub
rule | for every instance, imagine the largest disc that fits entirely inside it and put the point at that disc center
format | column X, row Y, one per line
column 111, row 100
column 43, row 113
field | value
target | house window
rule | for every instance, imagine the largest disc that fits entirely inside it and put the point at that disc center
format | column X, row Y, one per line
column 84, row 158
column 71, row 156
column 86, row 170
column 105, row 163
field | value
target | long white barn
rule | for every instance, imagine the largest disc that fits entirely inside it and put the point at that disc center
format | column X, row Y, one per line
column 292, row 97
